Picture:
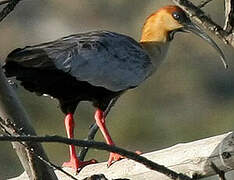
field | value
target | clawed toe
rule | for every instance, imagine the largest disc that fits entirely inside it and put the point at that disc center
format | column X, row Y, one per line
column 77, row 165
column 114, row 157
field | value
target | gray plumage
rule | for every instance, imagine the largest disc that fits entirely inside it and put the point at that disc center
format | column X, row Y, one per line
column 101, row 58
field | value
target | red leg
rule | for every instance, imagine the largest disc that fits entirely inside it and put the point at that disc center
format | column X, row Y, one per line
column 100, row 120
column 74, row 162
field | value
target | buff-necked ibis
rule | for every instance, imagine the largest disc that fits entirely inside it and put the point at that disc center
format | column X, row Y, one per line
column 98, row 66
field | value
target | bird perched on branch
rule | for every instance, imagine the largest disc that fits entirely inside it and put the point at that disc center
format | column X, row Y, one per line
column 98, row 66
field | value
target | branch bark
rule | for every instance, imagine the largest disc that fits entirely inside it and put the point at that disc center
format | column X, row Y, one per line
column 10, row 108
column 8, row 9
column 101, row 146
column 195, row 159
column 229, row 15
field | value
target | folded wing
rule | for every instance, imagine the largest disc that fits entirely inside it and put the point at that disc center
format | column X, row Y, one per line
column 101, row 58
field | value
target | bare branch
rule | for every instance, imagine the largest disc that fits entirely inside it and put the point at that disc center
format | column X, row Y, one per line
column 101, row 146
column 8, row 9
column 229, row 15
column 11, row 108
column 203, row 3
column 192, row 158
column 199, row 16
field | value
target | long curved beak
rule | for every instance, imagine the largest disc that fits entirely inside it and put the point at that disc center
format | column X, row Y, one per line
column 189, row 26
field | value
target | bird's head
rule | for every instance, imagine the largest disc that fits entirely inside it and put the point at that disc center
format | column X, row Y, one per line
column 162, row 25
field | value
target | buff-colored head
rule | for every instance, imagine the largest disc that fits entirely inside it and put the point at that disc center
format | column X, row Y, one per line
column 158, row 25
column 165, row 22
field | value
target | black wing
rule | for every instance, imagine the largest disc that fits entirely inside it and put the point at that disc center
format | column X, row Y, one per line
column 101, row 58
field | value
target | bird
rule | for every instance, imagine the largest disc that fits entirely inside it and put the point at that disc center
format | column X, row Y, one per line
column 98, row 66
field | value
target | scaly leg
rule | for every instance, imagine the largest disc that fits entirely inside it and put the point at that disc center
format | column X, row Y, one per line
column 100, row 120
column 74, row 162
column 94, row 128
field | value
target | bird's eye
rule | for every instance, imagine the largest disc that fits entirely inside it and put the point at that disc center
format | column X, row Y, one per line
column 176, row 15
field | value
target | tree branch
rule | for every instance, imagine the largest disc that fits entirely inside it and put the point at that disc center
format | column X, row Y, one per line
column 33, row 152
column 11, row 108
column 193, row 158
column 201, row 18
column 101, row 146
column 229, row 15
column 8, row 9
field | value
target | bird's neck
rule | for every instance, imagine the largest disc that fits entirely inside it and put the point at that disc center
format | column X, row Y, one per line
column 159, row 36
column 157, row 52
column 154, row 42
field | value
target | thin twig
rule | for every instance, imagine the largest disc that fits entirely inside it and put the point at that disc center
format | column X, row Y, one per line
column 50, row 164
column 203, row 3
column 101, row 146
column 8, row 9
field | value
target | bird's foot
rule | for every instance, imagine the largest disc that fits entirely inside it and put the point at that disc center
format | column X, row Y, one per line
column 113, row 158
column 77, row 165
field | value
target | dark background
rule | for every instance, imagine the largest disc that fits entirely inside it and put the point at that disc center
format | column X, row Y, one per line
column 190, row 97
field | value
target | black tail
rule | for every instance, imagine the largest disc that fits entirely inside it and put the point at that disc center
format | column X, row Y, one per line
column 11, row 69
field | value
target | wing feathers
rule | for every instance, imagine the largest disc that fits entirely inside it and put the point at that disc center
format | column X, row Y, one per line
column 110, row 60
